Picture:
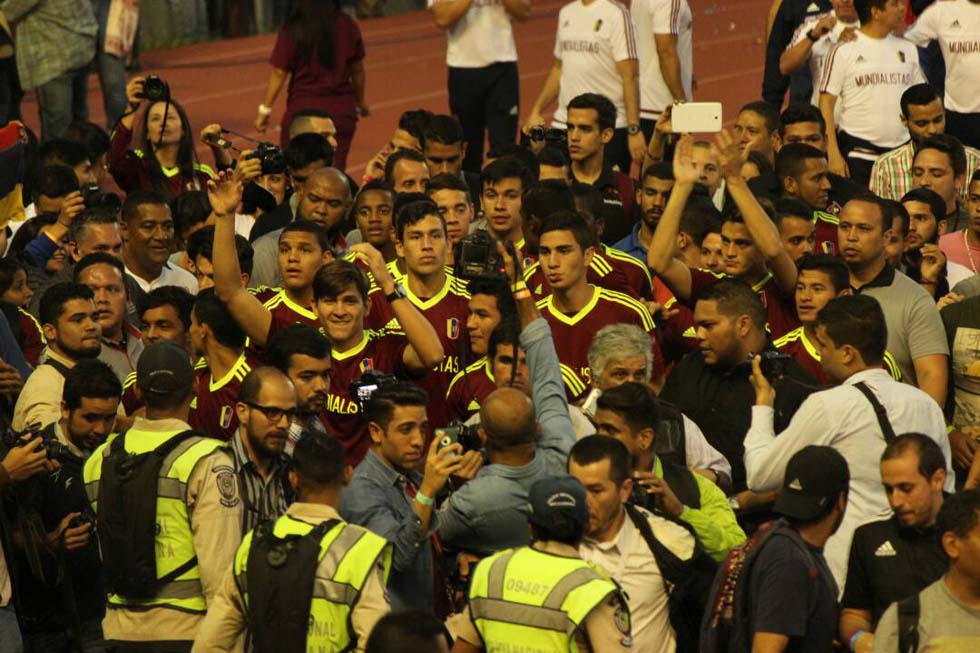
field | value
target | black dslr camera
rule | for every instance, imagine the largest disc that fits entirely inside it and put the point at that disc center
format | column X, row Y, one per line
column 774, row 364
column 96, row 198
column 272, row 158
column 54, row 449
column 549, row 134
column 478, row 258
column 363, row 387
column 155, row 89
column 456, row 431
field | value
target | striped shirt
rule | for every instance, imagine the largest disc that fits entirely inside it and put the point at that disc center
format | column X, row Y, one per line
column 265, row 498
column 891, row 176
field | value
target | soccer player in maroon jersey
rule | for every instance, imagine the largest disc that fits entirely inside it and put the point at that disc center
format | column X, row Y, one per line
column 452, row 195
column 504, row 182
column 303, row 248
column 220, row 343
column 342, row 302
column 576, row 309
column 753, row 250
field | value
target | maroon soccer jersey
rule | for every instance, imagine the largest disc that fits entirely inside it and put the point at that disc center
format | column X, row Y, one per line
column 796, row 344
column 825, row 233
column 343, row 418
column 213, row 410
column 572, row 334
column 604, row 271
column 780, row 306
column 678, row 336
column 284, row 311
column 32, row 341
column 636, row 271
column 130, row 401
column 469, row 389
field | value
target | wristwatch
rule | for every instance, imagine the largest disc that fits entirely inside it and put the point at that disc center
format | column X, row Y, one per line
column 398, row 293
column 813, row 39
column 633, row 129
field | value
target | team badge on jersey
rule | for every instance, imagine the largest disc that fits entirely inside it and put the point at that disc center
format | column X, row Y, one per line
column 452, row 328
column 366, row 365
column 226, row 413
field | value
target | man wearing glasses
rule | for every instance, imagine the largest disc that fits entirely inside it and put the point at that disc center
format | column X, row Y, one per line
column 265, row 409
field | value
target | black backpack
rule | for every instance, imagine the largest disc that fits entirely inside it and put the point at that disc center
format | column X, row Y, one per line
column 280, row 575
column 688, row 581
column 127, row 519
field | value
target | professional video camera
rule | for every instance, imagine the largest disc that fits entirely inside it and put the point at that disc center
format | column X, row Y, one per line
column 272, row 158
column 363, row 387
column 456, row 431
column 478, row 258
column 155, row 89
column 55, row 449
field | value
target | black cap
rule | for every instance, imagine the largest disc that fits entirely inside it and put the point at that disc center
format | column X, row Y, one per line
column 558, row 506
column 815, row 477
column 164, row 369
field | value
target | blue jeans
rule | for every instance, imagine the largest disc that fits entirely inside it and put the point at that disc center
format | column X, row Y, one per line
column 110, row 69
column 62, row 100
column 10, row 641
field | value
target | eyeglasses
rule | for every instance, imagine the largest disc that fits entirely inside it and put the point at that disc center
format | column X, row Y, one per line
column 273, row 413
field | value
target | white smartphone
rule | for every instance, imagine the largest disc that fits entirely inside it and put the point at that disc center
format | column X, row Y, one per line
column 696, row 118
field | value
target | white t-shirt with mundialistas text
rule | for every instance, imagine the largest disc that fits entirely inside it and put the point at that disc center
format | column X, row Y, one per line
column 652, row 17
column 956, row 25
column 591, row 39
column 481, row 37
column 821, row 47
column 868, row 76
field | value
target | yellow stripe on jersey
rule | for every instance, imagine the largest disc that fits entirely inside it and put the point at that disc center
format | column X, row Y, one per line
column 572, row 380
column 791, row 336
column 629, row 302
column 33, row 319
column 601, row 267
column 472, row 367
column 892, row 366
column 129, row 381
column 237, row 372
column 823, row 216
column 612, row 252
column 200, row 364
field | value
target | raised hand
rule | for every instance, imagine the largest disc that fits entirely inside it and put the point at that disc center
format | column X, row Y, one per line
column 684, row 170
column 225, row 193
column 730, row 155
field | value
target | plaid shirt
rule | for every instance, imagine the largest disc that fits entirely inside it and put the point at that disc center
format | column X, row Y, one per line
column 52, row 37
column 891, row 176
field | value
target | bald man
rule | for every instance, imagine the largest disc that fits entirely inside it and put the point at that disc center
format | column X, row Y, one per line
column 266, row 402
column 324, row 198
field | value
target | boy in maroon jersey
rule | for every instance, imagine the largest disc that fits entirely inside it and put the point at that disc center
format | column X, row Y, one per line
column 341, row 295
column 753, row 250
column 576, row 309
column 303, row 248
column 220, row 343
column 504, row 182
column 452, row 195
column 373, row 211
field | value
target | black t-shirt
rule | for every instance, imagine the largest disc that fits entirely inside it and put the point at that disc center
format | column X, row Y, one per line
column 788, row 600
column 889, row 563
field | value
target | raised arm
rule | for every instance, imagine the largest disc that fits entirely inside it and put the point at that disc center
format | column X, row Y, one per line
column 255, row 319
column 670, row 64
column 518, row 9
column 660, row 256
column 796, row 55
column 838, row 165
column 548, row 94
column 629, row 71
column 277, row 78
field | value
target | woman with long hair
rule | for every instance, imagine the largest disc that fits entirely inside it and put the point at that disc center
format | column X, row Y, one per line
column 163, row 157
column 320, row 50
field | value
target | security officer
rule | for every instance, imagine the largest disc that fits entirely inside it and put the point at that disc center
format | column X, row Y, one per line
column 169, row 525
column 309, row 580
column 544, row 595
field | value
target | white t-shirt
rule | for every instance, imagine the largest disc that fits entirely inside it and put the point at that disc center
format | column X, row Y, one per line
column 171, row 275
column 481, row 37
column 591, row 39
column 661, row 17
column 956, row 25
column 820, row 48
column 868, row 76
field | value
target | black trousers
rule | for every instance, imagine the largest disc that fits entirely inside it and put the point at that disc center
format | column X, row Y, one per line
column 966, row 127
column 860, row 167
column 485, row 100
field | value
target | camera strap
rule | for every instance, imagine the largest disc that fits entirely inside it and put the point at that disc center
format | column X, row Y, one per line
column 880, row 413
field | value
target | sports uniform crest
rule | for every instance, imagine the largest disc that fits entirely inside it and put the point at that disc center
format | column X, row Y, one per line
column 225, row 419
column 452, row 328
column 366, row 365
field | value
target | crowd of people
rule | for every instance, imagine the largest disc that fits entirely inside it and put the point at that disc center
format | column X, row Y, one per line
column 581, row 385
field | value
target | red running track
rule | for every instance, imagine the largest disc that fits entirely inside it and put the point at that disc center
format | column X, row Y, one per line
column 224, row 81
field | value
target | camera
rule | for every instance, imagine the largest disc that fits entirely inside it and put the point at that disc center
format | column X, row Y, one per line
column 81, row 520
column 467, row 436
column 272, row 158
column 54, row 449
column 96, row 198
column 155, row 89
column 363, row 387
column 478, row 258
column 550, row 134
column 774, row 364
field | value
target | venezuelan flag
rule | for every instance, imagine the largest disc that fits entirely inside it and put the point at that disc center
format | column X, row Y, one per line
column 11, row 174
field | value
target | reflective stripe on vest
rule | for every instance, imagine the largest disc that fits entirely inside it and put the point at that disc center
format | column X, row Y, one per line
column 348, row 554
column 174, row 541
column 534, row 598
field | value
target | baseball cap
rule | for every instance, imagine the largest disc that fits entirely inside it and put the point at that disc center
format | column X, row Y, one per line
column 815, row 477
column 163, row 369
column 558, row 506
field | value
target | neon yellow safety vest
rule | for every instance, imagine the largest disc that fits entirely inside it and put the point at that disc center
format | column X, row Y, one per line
column 348, row 554
column 534, row 598
column 174, row 540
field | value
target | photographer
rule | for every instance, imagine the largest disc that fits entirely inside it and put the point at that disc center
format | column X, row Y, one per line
column 524, row 442
column 394, row 488
column 57, row 570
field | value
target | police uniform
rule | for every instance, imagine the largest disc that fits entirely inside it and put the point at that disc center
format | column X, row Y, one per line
column 365, row 561
column 514, row 588
column 202, row 519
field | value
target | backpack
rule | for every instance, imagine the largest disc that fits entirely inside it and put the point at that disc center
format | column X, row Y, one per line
column 127, row 519
column 908, row 624
column 670, row 445
column 281, row 573
column 725, row 628
column 688, row 581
